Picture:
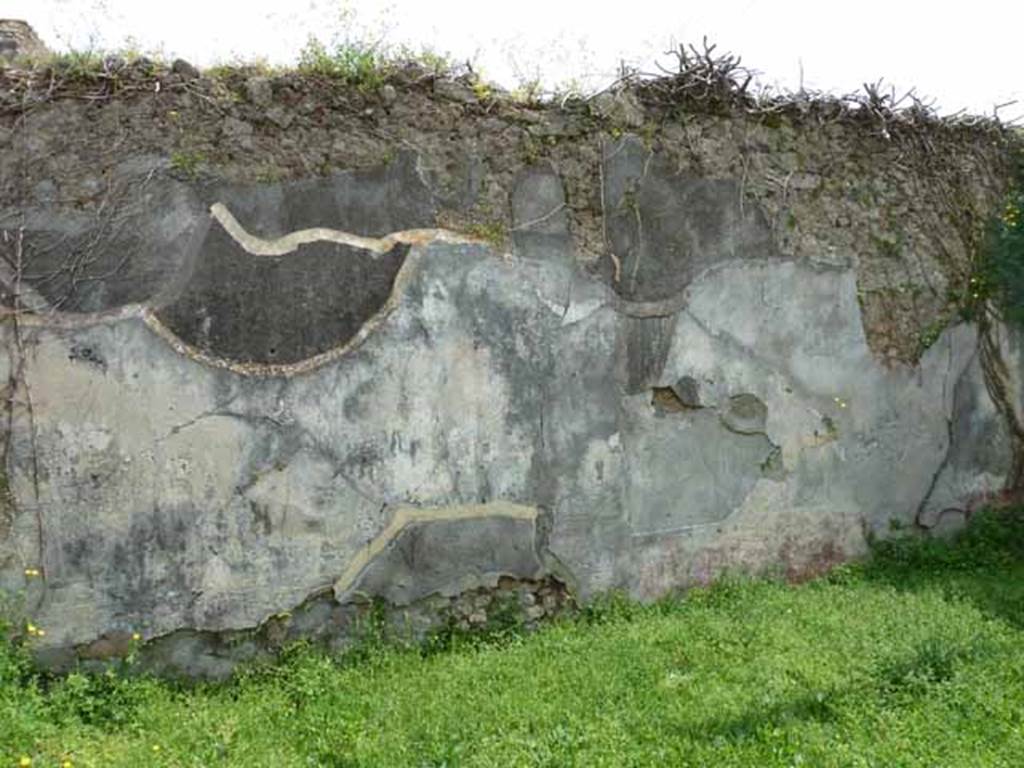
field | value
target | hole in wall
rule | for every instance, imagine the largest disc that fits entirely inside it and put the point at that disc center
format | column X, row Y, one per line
column 683, row 395
column 665, row 400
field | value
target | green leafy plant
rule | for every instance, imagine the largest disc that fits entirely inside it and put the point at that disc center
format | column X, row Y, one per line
column 528, row 91
column 993, row 539
column 493, row 231
column 930, row 334
column 353, row 62
column 367, row 65
column 504, row 626
column 435, row 62
column 999, row 277
column 76, row 65
column 483, row 91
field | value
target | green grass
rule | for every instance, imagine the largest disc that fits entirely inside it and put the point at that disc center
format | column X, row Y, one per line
column 913, row 659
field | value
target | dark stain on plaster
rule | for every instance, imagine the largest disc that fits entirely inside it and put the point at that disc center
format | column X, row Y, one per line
column 280, row 309
column 89, row 355
column 148, row 563
column 135, row 249
column 443, row 556
column 666, row 228
column 646, row 342
column 288, row 308
column 745, row 414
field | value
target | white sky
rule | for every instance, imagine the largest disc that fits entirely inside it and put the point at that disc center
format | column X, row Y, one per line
column 962, row 54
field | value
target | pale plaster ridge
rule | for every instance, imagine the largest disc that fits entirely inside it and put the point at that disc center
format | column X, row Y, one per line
column 406, row 516
column 243, row 368
column 282, row 246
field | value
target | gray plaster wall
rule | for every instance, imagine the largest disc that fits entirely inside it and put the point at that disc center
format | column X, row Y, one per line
column 319, row 395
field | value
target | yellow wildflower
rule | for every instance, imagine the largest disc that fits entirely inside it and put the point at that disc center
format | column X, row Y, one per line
column 25, row 761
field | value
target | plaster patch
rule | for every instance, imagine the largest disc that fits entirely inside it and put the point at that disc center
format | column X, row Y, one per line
column 405, row 516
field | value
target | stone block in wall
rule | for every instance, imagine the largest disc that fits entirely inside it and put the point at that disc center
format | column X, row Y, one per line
column 17, row 39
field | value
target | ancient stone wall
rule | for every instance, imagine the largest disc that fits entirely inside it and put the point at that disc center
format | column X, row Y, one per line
column 18, row 39
column 277, row 347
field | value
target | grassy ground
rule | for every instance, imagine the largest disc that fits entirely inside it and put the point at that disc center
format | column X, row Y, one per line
column 914, row 659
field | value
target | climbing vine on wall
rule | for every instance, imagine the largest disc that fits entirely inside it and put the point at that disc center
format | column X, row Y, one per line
column 996, row 300
column 999, row 280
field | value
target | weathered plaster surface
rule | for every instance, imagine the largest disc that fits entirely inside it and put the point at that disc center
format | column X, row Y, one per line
column 296, row 390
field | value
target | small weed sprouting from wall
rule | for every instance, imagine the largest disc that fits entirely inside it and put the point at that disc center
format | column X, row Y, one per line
column 368, row 65
column 187, row 163
column 493, row 231
column 355, row 63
